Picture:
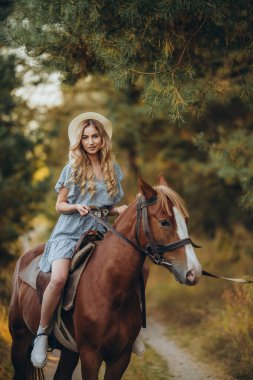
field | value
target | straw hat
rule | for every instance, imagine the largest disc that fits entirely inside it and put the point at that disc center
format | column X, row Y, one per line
column 74, row 126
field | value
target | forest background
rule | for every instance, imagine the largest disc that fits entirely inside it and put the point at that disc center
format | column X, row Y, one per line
column 175, row 79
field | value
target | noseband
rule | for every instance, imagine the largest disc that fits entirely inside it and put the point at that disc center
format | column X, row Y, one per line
column 154, row 251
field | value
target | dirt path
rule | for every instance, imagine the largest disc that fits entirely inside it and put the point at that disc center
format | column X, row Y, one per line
column 52, row 362
column 181, row 364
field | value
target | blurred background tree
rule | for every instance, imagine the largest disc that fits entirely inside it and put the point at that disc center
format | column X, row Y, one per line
column 179, row 53
column 22, row 181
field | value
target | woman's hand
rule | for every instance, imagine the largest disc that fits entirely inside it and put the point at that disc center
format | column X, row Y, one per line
column 121, row 209
column 82, row 209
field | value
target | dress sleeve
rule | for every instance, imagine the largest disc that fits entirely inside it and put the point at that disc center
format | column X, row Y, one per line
column 64, row 179
column 120, row 176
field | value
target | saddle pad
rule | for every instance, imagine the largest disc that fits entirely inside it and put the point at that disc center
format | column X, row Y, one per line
column 30, row 273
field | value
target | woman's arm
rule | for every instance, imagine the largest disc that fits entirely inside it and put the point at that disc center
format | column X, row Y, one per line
column 63, row 207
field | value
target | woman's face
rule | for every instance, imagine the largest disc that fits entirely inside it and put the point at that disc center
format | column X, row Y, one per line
column 91, row 140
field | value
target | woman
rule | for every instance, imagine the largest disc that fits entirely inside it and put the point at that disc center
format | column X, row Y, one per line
column 91, row 178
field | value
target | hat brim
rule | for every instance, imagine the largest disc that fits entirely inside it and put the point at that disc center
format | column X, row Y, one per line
column 74, row 126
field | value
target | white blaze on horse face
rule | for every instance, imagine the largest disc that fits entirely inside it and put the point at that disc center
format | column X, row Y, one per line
column 192, row 261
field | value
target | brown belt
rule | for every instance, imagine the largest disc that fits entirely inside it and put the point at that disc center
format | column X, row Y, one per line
column 100, row 212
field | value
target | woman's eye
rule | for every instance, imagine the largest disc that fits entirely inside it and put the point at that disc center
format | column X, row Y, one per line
column 165, row 223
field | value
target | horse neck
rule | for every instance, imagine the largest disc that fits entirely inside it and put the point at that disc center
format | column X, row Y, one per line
column 123, row 262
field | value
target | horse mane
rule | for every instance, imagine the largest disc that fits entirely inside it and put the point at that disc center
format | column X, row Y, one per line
column 164, row 193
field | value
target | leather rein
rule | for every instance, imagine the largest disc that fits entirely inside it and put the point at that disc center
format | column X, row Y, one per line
column 152, row 250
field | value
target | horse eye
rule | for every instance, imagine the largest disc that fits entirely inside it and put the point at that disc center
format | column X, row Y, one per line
column 165, row 223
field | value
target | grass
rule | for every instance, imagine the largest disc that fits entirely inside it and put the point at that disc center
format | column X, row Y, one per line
column 214, row 319
column 5, row 338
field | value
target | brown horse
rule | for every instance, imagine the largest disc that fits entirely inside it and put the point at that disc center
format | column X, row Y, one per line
column 107, row 317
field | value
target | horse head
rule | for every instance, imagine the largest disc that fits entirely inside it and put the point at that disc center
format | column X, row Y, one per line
column 162, row 229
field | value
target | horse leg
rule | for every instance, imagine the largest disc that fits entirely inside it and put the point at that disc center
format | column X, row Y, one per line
column 116, row 369
column 90, row 363
column 67, row 363
column 20, row 349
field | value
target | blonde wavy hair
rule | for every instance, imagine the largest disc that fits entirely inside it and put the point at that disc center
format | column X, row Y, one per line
column 82, row 172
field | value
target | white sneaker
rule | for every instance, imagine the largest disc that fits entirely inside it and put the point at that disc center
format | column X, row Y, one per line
column 39, row 351
column 138, row 346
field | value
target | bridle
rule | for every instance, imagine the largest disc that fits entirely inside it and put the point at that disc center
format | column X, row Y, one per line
column 152, row 250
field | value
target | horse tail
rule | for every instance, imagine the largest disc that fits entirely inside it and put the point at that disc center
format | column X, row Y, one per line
column 33, row 373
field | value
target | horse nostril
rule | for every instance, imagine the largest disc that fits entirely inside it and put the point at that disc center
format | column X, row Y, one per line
column 190, row 276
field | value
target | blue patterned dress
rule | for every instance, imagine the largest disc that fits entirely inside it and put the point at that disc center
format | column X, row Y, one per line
column 70, row 227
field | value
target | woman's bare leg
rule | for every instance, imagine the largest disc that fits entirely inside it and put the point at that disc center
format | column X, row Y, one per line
column 51, row 298
column 53, row 292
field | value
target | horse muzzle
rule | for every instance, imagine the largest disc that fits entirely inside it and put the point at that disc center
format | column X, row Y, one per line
column 189, row 277
column 192, row 277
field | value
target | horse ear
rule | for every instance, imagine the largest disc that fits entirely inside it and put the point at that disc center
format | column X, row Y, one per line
column 145, row 188
column 161, row 180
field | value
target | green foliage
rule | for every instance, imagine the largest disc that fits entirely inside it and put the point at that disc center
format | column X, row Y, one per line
column 215, row 197
column 180, row 53
column 227, row 143
column 231, row 158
